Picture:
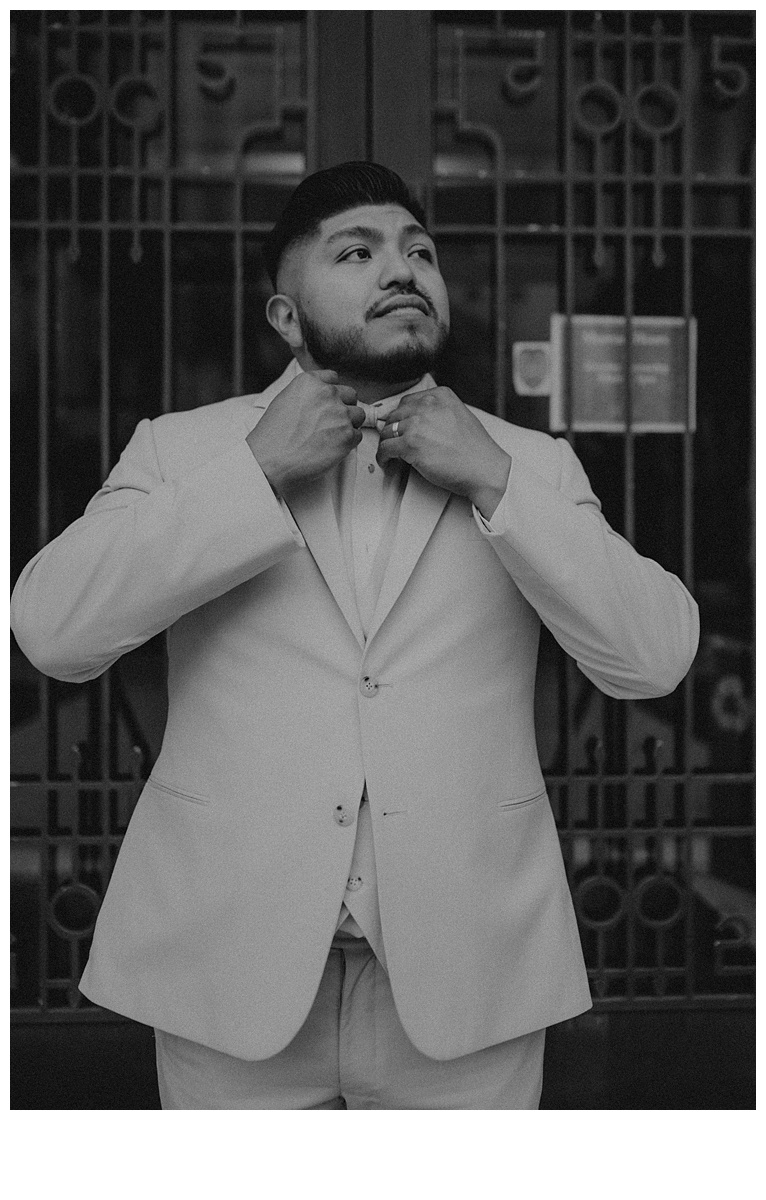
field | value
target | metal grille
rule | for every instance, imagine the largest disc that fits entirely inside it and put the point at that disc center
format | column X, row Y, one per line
column 601, row 164
column 581, row 165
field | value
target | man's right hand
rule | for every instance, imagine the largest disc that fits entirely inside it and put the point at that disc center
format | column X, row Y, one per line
column 309, row 427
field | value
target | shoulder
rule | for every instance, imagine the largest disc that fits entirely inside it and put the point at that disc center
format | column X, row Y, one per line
column 206, row 418
column 539, row 451
column 237, row 411
column 187, row 439
column 197, row 434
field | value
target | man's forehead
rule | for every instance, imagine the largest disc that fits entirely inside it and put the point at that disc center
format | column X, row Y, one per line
column 375, row 216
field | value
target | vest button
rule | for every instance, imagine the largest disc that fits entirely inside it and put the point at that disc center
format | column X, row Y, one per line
column 368, row 687
column 354, row 883
column 343, row 816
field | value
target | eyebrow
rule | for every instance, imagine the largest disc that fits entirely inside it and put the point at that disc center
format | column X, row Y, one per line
column 374, row 235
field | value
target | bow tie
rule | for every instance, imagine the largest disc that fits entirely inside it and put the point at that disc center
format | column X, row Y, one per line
column 375, row 414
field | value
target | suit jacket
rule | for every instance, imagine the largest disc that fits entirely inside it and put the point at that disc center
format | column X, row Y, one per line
column 223, row 903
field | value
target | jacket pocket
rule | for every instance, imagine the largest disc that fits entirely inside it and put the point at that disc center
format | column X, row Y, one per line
column 155, row 783
column 522, row 801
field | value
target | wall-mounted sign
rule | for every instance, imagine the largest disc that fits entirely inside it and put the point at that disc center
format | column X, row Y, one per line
column 532, row 368
column 663, row 369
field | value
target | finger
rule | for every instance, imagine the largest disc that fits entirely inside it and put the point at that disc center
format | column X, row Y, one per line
column 346, row 394
column 387, row 422
column 416, row 396
column 387, row 432
column 400, row 412
column 326, row 376
column 390, row 448
column 357, row 416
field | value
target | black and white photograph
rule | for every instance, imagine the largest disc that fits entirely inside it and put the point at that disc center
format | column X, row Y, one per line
column 382, row 541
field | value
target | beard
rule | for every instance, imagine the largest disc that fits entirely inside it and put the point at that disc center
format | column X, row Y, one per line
column 346, row 353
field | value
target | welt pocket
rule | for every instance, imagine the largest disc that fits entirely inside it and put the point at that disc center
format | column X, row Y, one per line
column 522, row 801
column 155, row 783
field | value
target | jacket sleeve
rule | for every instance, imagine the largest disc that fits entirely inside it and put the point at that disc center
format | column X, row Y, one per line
column 146, row 552
column 631, row 626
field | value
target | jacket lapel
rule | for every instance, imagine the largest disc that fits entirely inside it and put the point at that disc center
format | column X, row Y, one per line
column 312, row 507
column 313, row 511
column 422, row 505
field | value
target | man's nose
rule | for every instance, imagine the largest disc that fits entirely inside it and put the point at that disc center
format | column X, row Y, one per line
column 397, row 269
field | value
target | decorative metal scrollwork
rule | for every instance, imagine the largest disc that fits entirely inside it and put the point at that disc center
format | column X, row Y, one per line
column 657, row 110
column 735, row 931
column 135, row 103
column 523, row 76
column 598, row 108
column 74, row 99
column 659, row 901
column 73, row 910
column 729, row 79
column 730, row 706
column 600, row 902
column 216, row 78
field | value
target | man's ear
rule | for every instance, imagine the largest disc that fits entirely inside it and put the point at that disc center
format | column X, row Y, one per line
column 282, row 314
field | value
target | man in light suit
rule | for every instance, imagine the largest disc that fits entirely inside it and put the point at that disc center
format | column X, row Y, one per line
column 342, row 884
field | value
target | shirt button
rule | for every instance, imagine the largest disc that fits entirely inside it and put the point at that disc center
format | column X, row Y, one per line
column 343, row 816
column 368, row 687
column 354, row 883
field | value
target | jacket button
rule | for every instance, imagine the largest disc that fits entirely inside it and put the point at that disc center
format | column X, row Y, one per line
column 368, row 687
column 343, row 816
column 354, row 883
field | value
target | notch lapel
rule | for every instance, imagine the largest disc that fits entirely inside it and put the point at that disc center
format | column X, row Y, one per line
column 422, row 505
column 314, row 513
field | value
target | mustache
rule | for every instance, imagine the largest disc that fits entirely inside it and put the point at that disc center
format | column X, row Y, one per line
column 408, row 290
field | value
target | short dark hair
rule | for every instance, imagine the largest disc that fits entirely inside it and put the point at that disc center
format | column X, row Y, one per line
column 329, row 192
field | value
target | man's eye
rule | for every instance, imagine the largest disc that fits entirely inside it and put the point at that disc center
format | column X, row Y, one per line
column 358, row 254
column 424, row 252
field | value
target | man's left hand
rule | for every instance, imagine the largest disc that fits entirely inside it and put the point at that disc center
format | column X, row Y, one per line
column 448, row 446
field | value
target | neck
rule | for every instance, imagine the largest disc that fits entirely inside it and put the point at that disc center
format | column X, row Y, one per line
column 367, row 391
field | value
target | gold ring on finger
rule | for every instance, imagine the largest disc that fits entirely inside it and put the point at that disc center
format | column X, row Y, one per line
column 395, row 428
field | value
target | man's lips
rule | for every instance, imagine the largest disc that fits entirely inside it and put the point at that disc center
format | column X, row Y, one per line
column 398, row 302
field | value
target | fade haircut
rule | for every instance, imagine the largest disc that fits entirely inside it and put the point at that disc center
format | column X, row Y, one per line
column 329, row 192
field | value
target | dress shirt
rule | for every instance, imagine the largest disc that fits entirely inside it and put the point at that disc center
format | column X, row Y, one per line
column 367, row 500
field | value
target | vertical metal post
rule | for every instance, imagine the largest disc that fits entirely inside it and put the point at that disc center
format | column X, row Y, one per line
column 236, row 247
column 312, row 93
column 567, row 725
column 43, row 510
column 104, row 683
column 167, row 218
column 688, row 483
column 341, row 70
column 401, row 93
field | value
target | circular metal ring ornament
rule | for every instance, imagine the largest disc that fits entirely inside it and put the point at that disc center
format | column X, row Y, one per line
column 603, row 893
column 598, row 95
column 658, row 901
column 662, row 97
column 73, row 909
column 135, row 103
column 74, row 99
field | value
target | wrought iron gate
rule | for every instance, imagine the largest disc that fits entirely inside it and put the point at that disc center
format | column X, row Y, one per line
column 571, row 163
